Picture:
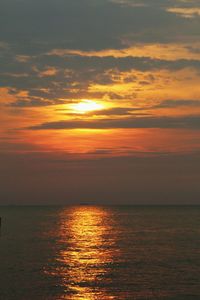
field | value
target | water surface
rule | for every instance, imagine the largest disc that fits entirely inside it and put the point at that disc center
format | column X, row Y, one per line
column 94, row 252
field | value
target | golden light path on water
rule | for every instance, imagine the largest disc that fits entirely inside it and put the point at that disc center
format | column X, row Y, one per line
column 87, row 252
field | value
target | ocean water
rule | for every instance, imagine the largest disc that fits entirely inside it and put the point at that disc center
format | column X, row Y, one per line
column 96, row 252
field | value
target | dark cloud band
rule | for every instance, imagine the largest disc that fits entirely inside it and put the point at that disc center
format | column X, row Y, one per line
column 190, row 122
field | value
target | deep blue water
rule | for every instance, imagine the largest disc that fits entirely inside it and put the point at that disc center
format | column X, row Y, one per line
column 94, row 252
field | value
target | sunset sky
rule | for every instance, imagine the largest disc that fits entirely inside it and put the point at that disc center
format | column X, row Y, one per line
column 100, row 101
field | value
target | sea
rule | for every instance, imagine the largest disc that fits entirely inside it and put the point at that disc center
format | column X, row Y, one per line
column 100, row 252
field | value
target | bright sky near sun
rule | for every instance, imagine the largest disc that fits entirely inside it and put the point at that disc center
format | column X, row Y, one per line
column 85, row 106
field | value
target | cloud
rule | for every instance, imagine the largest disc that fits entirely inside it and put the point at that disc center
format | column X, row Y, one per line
column 186, row 12
column 52, row 49
column 34, row 27
column 33, row 102
column 190, row 122
column 49, row 78
column 178, row 103
column 116, row 111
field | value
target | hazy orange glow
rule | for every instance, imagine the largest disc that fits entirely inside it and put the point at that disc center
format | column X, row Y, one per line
column 93, row 143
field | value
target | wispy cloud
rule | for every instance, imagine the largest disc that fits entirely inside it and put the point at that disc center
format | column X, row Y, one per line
column 178, row 103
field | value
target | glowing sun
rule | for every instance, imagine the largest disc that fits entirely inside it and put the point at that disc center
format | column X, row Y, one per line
column 86, row 106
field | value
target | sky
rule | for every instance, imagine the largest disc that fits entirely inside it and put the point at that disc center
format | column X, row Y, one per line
column 100, row 101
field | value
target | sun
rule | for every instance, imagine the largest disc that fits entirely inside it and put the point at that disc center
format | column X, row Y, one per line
column 86, row 106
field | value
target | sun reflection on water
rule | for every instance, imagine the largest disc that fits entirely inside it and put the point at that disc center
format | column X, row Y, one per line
column 88, row 252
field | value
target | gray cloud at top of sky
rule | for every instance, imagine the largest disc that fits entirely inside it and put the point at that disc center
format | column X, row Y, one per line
column 34, row 27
